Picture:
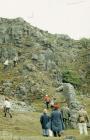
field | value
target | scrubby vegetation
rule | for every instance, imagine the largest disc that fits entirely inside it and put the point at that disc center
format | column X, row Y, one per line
column 45, row 61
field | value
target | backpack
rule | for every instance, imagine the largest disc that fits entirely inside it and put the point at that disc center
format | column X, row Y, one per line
column 81, row 119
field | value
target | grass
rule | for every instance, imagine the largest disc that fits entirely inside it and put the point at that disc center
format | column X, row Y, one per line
column 26, row 126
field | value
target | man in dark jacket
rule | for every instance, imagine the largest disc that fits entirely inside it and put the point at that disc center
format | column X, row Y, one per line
column 44, row 120
column 57, row 125
column 66, row 115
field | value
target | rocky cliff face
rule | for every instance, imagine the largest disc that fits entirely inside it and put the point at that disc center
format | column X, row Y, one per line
column 45, row 60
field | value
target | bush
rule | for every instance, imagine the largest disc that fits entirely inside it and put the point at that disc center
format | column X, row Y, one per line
column 72, row 77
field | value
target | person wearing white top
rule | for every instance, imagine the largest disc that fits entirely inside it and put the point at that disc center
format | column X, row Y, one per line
column 6, row 64
column 7, row 107
column 7, row 104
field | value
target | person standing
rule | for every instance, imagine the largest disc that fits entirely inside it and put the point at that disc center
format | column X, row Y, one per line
column 7, row 107
column 47, row 101
column 57, row 125
column 15, row 60
column 82, row 120
column 6, row 63
column 52, row 102
column 66, row 115
column 44, row 120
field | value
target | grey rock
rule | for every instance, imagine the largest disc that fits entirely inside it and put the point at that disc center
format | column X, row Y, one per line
column 70, row 138
column 69, row 92
column 21, row 90
column 20, row 106
column 73, row 103
column 59, row 89
column 29, row 67
column 34, row 57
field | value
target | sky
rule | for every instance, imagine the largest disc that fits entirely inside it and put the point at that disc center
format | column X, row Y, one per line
column 71, row 17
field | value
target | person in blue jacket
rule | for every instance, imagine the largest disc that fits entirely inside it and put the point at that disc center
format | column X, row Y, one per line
column 57, row 125
column 44, row 120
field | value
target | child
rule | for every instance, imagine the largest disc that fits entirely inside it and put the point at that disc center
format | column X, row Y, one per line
column 44, row 120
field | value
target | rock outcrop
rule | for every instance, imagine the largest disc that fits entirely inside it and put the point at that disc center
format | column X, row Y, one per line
column 44, row 61
column 73, row 103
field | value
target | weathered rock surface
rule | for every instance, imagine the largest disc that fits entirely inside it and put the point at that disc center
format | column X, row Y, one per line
column 45, row 60
column 73, row 103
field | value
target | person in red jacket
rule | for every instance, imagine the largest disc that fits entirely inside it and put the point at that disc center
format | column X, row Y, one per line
column 47, row 101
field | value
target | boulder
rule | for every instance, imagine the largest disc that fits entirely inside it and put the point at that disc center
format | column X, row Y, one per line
column 70, row 138
column 73, row 103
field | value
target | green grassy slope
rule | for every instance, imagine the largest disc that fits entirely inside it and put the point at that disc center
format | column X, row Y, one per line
column 27, row 126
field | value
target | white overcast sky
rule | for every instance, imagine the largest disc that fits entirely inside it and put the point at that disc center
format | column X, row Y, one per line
column 70, row 17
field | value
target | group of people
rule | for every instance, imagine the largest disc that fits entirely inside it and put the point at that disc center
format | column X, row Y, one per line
column 59, row 119
column 51, row 102
column 52, row 123
column 6, row 63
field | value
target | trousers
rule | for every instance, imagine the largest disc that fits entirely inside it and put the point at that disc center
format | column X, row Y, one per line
column 83, row 128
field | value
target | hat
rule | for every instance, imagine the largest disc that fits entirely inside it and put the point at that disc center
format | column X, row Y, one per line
column 56, row 106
